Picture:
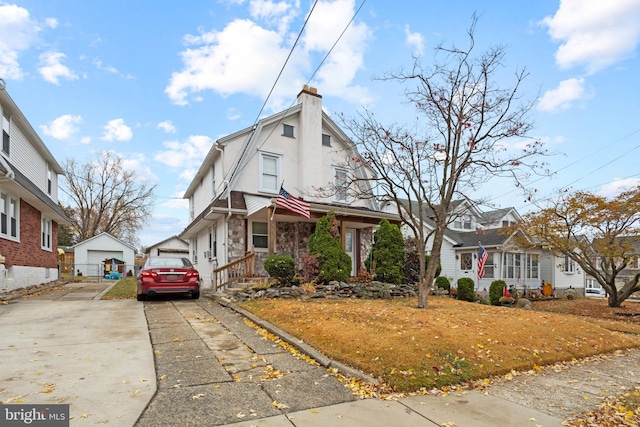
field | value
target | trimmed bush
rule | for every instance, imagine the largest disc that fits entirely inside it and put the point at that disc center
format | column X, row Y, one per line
column 466, row 289
column 496, row 291
column 333, row 261
column 443, row 283
column 387, row 253
column 280, row 267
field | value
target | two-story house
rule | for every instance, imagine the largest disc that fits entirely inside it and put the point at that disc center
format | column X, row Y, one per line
column 232, row 198
column 29, row 211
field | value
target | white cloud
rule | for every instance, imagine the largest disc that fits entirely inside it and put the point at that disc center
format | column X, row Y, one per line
column 415, row 40
column 617, row 186
column 63, row 127
column 185, row 155
column 563, row 97
column 246, row 56
column 167, row 126
column 51, row 22
column 17, row 33
column 328, row 21
column 107, row 68
column 139, row 164
column 595, row 34
column 116, row 130
column 243, row 57
column 51, row 67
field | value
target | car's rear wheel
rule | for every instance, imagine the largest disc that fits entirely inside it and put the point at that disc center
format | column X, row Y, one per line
column 195, row 295
column 141, row 297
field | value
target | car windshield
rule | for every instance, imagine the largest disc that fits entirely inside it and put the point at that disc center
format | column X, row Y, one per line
column 168, row 262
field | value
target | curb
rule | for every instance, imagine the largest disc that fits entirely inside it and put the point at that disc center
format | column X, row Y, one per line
column 299, row 344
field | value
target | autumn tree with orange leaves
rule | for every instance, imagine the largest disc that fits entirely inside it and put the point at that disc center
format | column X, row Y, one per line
column 468, row 129
column 601, row 235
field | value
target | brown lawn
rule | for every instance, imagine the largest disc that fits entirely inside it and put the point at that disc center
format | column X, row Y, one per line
column 451, row 341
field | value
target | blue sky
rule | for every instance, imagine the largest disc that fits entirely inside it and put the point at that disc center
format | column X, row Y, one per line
column 158, row 82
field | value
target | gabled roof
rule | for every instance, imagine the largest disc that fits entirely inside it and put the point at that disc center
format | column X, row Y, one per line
column 493, row 216
column 102, row 235
column 16, row 116
column 487, row 238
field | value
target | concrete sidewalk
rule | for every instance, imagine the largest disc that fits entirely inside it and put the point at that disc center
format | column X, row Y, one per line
column 66, row 347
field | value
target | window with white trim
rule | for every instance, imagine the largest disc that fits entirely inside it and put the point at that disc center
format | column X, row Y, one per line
column 194, row 250
column 46, row 233
column 49, row 178
column 512, row 266
column 9, row 216
column 6, row 132
column 269, row 172
column 569, row 265
column 191, row 207
column 326, row 140
column 488, row 266
column 287, row 130
column 533, row 266
column 260, row 235
column 466, row 261
column 212, row 242
column 340, row 185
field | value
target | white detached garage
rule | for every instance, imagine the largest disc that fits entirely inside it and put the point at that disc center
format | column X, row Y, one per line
column 91, row 254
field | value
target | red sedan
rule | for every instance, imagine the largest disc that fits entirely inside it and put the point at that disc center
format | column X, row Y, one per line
column 168, row 275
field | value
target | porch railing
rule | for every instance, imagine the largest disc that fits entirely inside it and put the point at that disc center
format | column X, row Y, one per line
column 234, row 271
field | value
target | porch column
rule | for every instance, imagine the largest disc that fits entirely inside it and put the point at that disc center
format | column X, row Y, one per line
column 272, row 232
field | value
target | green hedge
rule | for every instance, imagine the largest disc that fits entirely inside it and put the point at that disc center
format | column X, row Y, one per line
column 466, row 289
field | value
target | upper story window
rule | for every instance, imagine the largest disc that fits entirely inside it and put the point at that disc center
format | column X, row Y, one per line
column 213, row 181
column 569, row 265
column 6, row 131
column 464, row 222
column 506, row 223
column 269, row 172
column 191, row 207
column 340, row 185
column 49, row 178
column 287, row 130
column 9, row 217
column 326, row 140
column 46, row 233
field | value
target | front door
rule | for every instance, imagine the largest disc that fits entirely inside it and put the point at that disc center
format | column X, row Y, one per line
column 349, row 247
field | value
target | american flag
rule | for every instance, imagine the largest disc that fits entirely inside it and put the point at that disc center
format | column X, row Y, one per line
column 482, row 259
column 289, row 202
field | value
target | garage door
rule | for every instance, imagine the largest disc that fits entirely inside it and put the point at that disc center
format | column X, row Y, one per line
column 95, row 260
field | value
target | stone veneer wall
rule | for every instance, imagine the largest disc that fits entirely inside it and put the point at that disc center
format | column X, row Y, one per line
column 237, row 238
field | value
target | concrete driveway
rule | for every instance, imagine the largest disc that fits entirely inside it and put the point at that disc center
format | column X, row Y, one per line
column 66, row 346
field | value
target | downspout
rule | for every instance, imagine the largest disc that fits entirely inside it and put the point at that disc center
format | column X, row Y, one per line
column 226, row 222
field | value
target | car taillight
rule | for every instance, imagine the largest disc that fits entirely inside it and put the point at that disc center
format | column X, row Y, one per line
column 148, row 274
column 191, row 274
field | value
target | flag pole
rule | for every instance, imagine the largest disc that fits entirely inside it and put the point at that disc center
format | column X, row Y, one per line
column 276, row 205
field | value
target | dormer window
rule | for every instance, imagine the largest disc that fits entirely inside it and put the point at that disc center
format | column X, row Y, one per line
column 287, row 130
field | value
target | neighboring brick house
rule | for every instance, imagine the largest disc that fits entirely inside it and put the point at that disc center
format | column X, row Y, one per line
column 29, row 211
column 232, row 196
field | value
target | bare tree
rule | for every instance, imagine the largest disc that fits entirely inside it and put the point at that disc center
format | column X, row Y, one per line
column 468, row 130
column 106, row 197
